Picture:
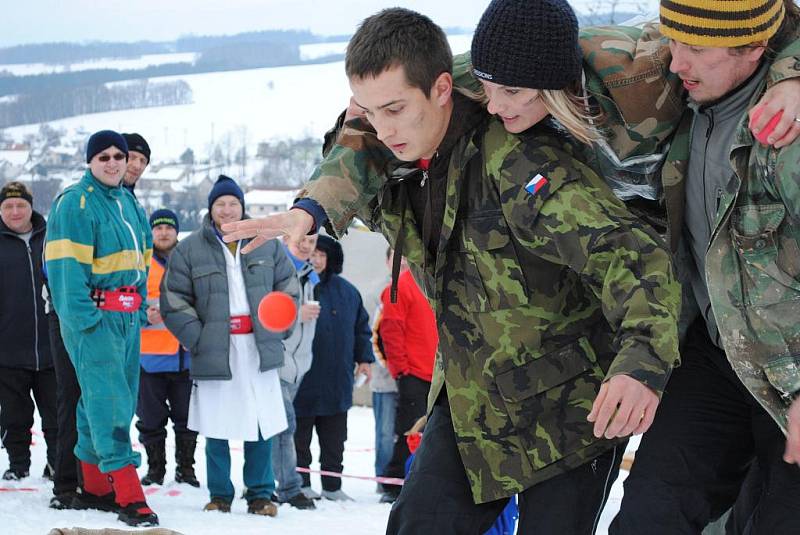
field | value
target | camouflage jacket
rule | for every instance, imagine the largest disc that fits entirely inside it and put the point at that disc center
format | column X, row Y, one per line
column 626, row 72
column 539, row 297
column 753, row 260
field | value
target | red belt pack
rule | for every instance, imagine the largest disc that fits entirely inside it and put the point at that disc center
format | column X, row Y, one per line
column 123, row 299
column 241, row 325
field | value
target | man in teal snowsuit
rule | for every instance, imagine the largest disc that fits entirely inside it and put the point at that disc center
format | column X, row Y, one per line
column 98, row 249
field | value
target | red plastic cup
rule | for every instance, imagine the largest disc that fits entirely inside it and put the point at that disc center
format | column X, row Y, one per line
column 277, row 311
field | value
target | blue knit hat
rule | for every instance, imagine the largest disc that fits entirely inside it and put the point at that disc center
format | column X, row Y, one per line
column 225, row 185
column 164, row 216
column 103, row 139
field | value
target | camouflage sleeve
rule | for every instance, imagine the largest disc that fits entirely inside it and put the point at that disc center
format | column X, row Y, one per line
column 581, row 225
column 787, row 62
column 350, row 176
column 462, row 73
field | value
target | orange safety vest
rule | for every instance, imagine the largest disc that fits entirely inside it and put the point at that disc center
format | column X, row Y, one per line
column 156, row 339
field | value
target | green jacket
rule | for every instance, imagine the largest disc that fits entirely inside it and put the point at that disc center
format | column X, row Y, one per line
column 753, row 261
column 97, row 237
column 539, row 297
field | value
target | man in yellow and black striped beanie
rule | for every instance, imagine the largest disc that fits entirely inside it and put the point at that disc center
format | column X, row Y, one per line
column 721, row 23
column 727, row 430
column 718, row 44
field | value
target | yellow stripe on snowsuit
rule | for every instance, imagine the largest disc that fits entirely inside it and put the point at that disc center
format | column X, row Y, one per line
column 148, row 256
column 121, row 261
column 60, row 249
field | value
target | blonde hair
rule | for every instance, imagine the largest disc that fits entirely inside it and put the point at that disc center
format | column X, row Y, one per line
column 569, row 106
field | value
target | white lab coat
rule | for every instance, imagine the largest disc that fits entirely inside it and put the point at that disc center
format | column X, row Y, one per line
column 251, row 401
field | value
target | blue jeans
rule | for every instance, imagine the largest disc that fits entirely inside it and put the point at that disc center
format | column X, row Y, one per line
column 259, row 479
column 284, row 456
column 384, row 407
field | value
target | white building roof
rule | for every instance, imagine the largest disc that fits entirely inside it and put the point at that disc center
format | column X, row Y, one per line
column 262, row 197
column 15, row 157
column 165, row 173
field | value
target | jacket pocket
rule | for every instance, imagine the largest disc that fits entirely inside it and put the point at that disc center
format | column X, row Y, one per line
column 548, row 399
column 767, row 249
column 261, row 272
column 207, row 279
column 493, row 277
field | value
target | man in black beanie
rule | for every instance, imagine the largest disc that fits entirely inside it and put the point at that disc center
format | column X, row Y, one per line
column 164, row 383
column 138, row 159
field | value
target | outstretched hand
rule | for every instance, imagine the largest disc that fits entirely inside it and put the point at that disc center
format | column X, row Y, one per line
column 783, row 96
column 623, row 407
column 295, row 224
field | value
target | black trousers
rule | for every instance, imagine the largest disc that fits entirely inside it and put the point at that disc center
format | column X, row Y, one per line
column 436, row 496
column 163, row 396
column 16, row 413
column 332, row 433
column 68, row 392
column 691, row 464
column 412, row 401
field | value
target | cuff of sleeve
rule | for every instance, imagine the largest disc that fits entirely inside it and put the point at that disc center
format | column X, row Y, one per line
column 312, row 207
column 653, row 374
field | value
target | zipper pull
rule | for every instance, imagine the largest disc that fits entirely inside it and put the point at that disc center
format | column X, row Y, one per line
column 424, row 178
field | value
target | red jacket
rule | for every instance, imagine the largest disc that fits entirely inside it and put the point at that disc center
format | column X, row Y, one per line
column 408, row 330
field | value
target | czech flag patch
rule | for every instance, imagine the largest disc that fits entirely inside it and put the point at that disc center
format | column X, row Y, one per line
column 535, row 184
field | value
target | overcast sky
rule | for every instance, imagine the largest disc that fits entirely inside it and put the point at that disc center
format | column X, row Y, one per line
column 37, row 21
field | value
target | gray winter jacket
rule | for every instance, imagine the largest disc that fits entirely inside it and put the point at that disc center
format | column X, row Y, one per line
column 194, row 300
column 297, row 350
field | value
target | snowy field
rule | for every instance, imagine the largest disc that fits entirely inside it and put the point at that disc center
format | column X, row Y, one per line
column 240, row 107
column 147, row 60
column 24, row 504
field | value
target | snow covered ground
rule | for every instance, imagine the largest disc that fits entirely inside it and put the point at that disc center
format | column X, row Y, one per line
column 24, row 504
column 146, row 60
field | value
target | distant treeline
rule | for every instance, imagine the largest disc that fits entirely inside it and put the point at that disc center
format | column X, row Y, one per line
column 58, row 53
column 230, row 57
column 52, row 105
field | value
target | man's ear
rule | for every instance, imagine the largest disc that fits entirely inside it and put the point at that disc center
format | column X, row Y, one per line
column 442, row 89
column 756, row 51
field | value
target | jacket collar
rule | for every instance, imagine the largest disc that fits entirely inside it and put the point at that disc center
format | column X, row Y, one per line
column 89, row 182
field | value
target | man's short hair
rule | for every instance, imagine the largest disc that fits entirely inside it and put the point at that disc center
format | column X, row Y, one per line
column 399, row 37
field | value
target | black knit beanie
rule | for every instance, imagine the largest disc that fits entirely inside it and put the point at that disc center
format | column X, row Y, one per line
column 165, row 216
column 137, row 142
column 527, row 43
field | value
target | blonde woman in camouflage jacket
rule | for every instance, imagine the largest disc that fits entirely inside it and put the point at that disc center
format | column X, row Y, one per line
column 732, row 206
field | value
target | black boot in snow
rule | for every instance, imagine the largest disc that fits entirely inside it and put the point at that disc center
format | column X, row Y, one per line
column 184, row 459
column 156, row 464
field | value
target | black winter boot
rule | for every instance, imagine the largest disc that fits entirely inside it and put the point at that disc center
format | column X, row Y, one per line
column 156, row 464
column 185, row 445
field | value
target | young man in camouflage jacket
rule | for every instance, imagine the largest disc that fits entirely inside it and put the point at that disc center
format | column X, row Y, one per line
column 547, row 291
column 732, row 206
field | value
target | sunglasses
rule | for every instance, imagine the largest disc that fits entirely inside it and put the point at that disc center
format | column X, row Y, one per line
column 105, row 157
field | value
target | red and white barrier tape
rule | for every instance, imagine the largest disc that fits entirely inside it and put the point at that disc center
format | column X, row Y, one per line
column 379, row 479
